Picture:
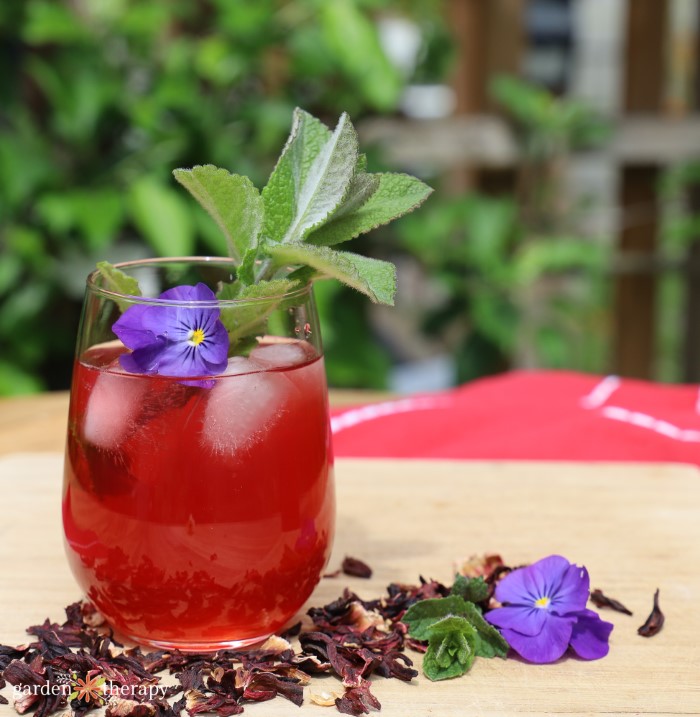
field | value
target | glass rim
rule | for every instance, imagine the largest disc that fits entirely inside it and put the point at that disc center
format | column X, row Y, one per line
column 93, row 286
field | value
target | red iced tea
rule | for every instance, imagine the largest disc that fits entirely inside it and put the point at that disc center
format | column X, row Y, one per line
column 199, row 514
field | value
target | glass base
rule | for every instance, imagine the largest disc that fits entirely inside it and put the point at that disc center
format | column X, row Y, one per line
column 204, row 646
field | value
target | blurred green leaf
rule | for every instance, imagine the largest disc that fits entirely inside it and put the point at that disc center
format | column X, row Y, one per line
column 163, row 217
column 14, row 381
column 97, row 214
column 101, row 100
column 22, row 306
column 354, row 42
column 28, row 246
column 25, row 164
column 490, row 226
column 217, row 61
column 48, row 21
column 548, row 116
column 10, row 272
column 557, row 255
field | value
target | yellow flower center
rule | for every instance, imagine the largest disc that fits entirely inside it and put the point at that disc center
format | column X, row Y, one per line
column 196, row 337
column 542, row 602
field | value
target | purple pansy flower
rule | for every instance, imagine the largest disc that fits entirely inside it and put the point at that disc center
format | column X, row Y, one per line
column 544, row 612
column 178, row 340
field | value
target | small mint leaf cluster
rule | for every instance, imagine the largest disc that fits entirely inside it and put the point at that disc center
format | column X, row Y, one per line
column 456, row 632
column 318, row 195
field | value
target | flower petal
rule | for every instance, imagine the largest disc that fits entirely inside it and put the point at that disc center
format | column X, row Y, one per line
column 526, row 620
column 572, row 593
column 548, row 574
column 590, row 634
column 144, row 359
column 181, row 359
column 130, row 330
column 186, row 292
column 549, row 645
column 519, row 588
column 172, row 322
column 214, row 350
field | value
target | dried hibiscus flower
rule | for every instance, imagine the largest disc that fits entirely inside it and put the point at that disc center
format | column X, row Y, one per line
column 356, row 568
column 655, row 621
column 601, row 600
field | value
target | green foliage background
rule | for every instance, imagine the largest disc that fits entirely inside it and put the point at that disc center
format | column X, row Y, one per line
column 99, row 101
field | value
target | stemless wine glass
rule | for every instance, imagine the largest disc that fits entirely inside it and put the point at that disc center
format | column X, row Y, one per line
column 198, row 503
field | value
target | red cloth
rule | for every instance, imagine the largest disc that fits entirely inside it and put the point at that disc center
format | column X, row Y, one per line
column 538, row 415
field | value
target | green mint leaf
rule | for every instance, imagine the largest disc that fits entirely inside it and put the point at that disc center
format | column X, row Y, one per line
column 246, row 269
column 396, row 195
column 451, row 648
column 373, row 277
column 315, row 189
column 233, row 202
column 115, row 280
column 362, row 187
column 257, row 302
column 422, row 615
column 471, row 589
column 489, row 641
column 306, row 139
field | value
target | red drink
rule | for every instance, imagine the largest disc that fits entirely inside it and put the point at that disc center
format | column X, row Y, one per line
column 199, row 515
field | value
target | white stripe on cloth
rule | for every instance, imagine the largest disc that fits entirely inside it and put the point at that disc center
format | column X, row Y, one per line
column 644, row 420
column 355, row 416
column 601, row 392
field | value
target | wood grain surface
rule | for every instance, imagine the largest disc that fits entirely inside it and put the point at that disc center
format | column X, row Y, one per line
column 634, row 526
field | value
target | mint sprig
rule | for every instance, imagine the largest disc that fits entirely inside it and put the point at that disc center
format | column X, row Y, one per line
column 318, row 195
column 451, row 625
column 451, row 648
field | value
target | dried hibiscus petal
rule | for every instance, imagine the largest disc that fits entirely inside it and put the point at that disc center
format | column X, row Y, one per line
column 480, row 565
column 120, row 707
column 266, row 685
column 326, row 698
column 655, row 621
column 197, row 702
column 357, row 700
column 601, row 600
column 356, row 568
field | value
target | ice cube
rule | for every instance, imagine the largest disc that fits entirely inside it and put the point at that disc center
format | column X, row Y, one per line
column 240, row 408
column 113, row 408
column 283, row 354
column 238, row 365
column 310, row 379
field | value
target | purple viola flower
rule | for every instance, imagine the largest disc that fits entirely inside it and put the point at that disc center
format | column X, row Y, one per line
column 544, row 612
column 181, row 339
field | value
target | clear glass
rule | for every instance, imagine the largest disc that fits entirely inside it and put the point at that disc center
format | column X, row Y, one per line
column 199, row 514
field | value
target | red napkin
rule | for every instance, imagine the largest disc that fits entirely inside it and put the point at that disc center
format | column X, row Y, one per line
column 530, row 415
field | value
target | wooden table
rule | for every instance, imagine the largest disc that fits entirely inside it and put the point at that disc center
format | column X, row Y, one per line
column 635, row 527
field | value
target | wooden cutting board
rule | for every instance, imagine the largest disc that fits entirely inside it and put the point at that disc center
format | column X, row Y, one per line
column 635, row 526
